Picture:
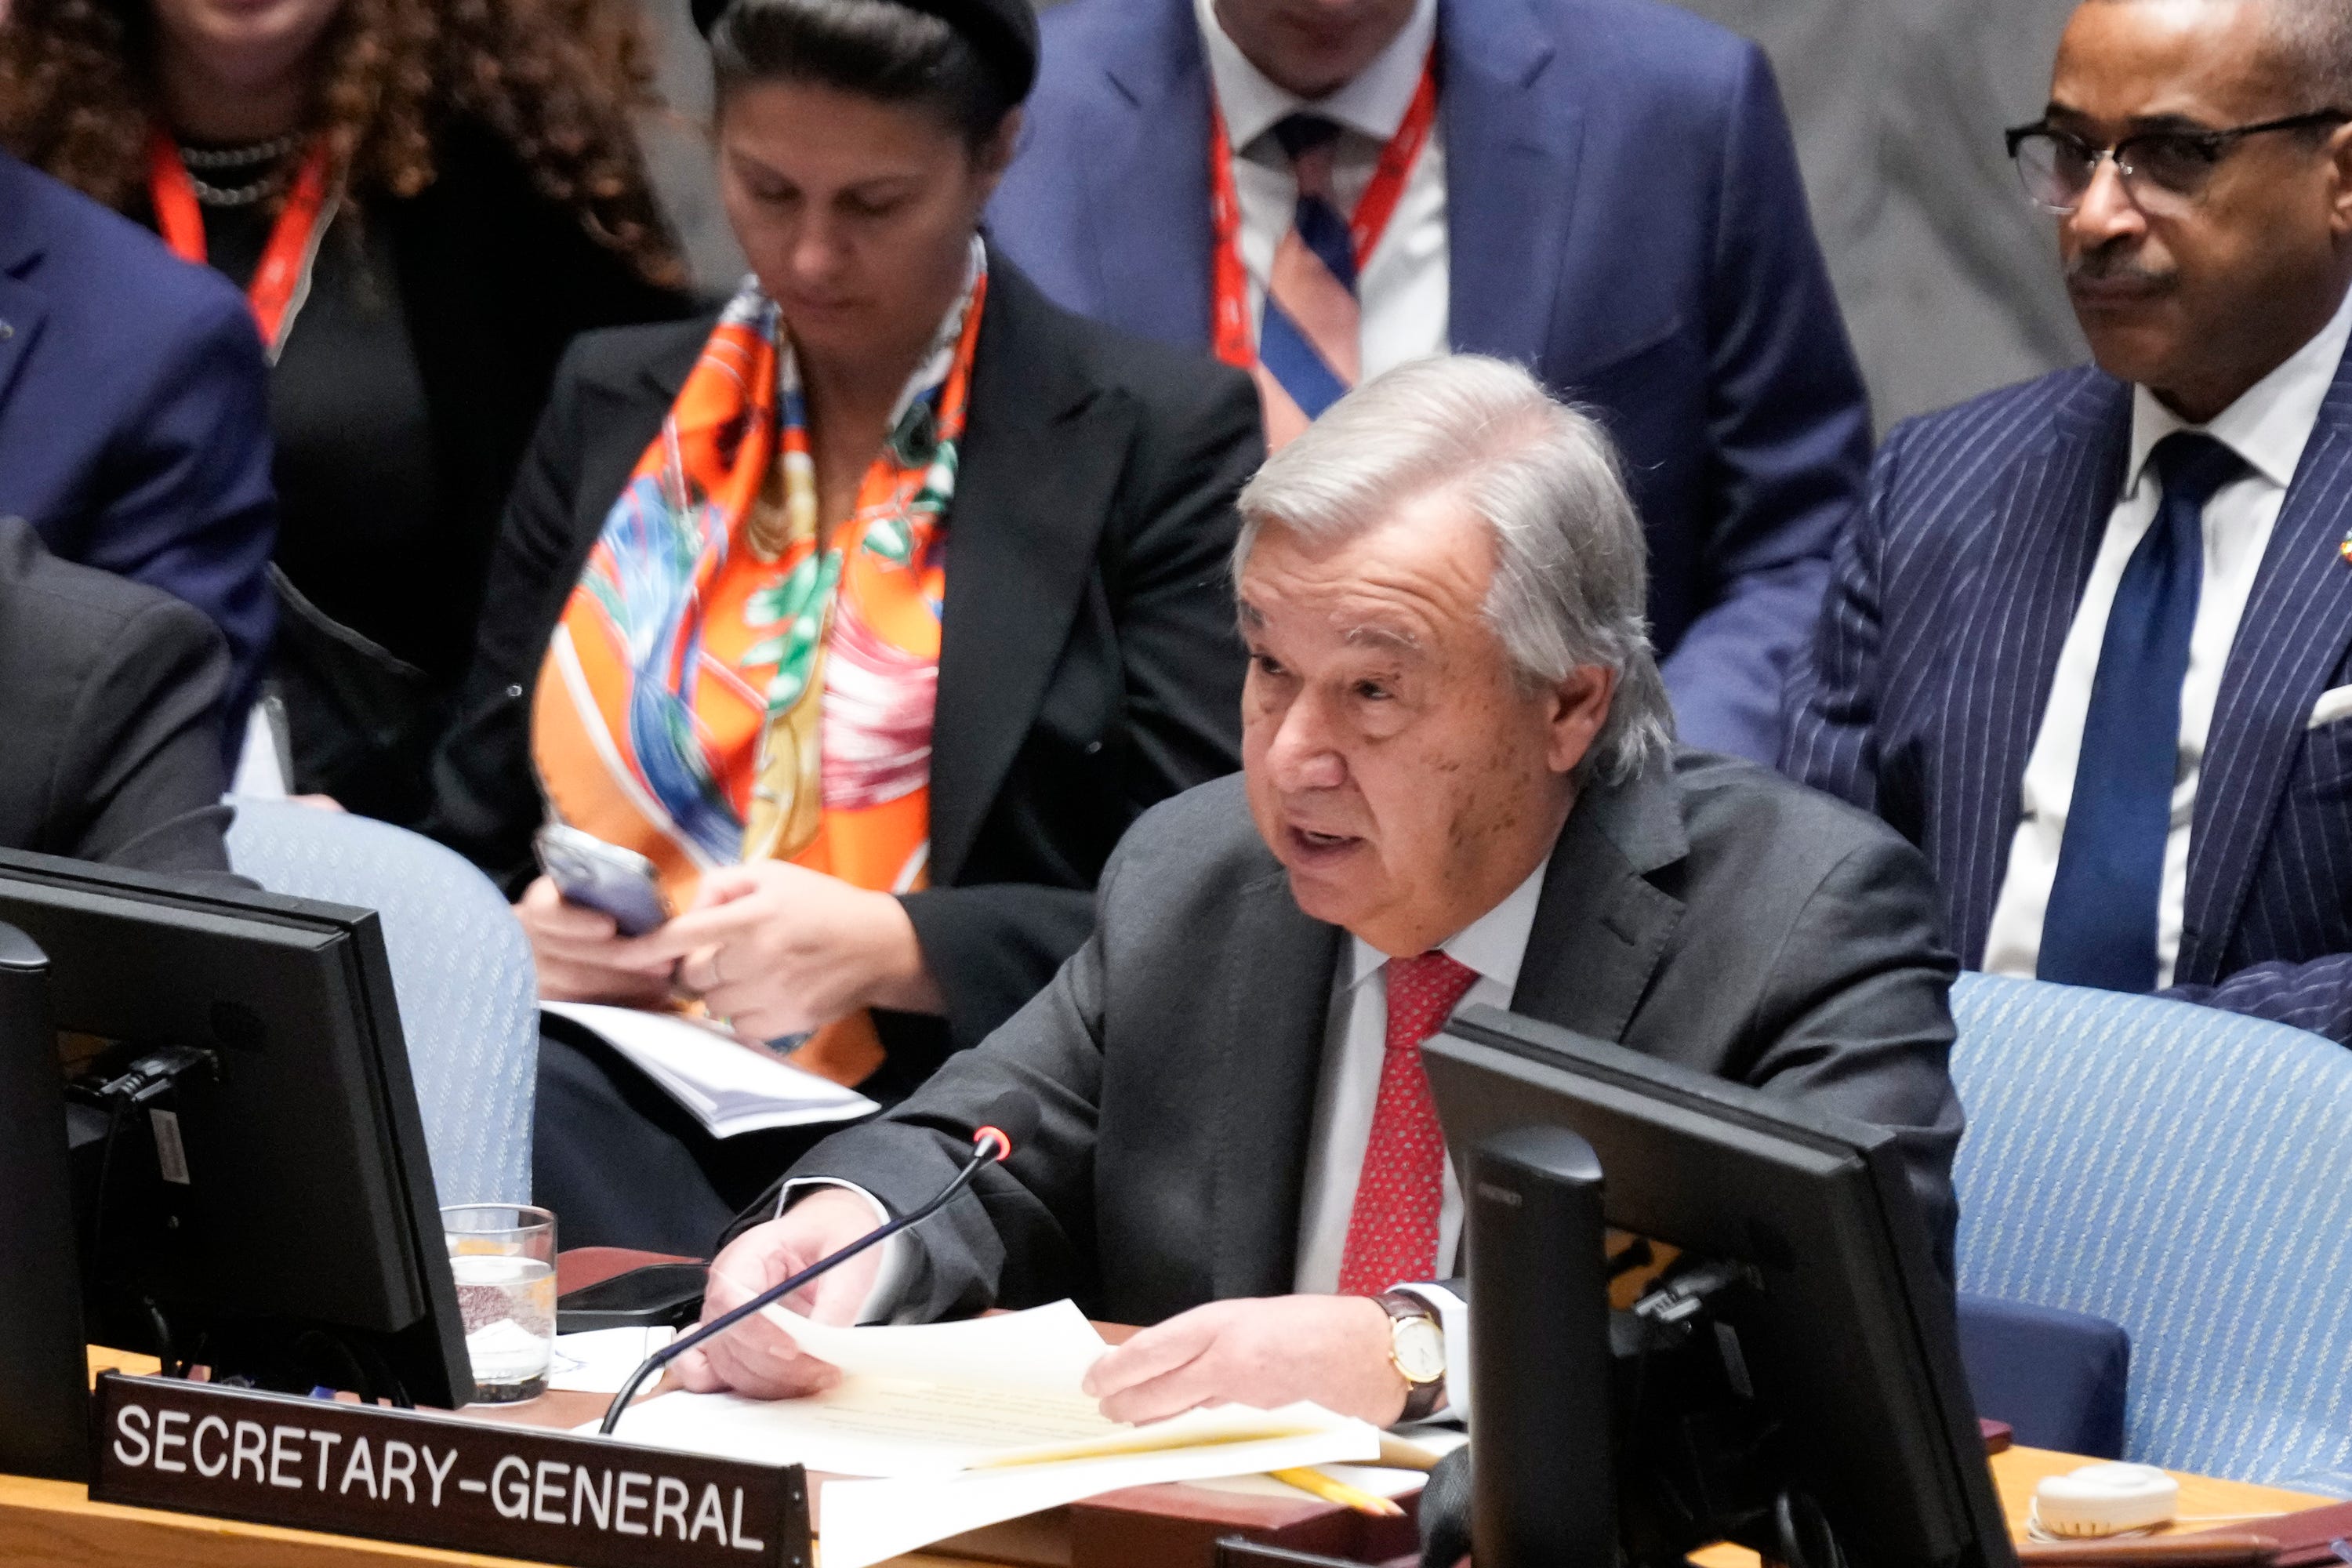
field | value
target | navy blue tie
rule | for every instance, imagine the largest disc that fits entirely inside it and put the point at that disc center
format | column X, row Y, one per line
column 2100, row 928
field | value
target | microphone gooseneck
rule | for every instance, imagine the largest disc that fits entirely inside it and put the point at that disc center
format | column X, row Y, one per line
column 990, row 1143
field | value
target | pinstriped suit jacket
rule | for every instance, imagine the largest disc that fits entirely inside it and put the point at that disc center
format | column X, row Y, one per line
column 1939, row 644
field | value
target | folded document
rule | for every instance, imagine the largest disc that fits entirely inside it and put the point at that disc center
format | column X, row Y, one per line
column 728, row 1087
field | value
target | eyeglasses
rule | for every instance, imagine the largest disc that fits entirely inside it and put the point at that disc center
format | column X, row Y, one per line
column 2161, row 170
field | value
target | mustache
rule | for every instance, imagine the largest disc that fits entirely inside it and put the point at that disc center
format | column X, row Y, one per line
column 2115, row 267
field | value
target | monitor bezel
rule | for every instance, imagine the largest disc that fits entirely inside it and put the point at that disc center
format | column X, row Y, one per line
column 352, row 939
column 1614, row 1081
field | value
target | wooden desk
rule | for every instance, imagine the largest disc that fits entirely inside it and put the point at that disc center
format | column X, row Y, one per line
column 53, row 1524
column 2015, row 1472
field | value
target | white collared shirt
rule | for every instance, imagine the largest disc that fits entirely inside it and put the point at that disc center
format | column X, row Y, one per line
column 2268, row 427
column 1401, row 292
column 1355, row 1043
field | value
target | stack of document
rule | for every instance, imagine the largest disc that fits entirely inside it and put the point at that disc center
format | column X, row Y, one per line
column 728, row 1087
column 949, row 1427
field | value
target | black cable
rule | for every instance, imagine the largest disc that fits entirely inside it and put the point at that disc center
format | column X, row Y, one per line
column 1795, row 1552
column 986, row 1154
column 173, row 1365
column 117, row 1106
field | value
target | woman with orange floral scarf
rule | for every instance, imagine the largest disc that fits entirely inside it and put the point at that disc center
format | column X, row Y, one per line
column 871, row 612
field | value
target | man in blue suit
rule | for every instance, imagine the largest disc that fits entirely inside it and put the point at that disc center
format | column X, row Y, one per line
column 2087, row 645
column 1603, row 190
column 135, row 408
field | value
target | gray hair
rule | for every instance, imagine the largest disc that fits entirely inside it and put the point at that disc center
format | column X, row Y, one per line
column 1571, row 580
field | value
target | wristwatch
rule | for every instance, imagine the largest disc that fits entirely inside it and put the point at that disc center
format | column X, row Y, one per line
column 1417, row 1350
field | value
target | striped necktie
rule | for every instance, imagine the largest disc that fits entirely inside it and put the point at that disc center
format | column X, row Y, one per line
column 1306, row 341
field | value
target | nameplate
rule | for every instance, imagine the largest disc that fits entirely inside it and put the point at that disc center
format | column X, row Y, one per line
column 430, row 1479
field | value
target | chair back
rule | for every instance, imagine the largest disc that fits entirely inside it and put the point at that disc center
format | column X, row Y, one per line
column 461, row 972
column 2184, row 1171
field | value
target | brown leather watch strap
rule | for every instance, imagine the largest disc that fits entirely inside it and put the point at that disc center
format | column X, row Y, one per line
column 1421, row 1399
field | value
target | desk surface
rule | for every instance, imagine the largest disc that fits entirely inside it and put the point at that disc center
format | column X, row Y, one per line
column 53, row 1524
column 2016, row 1471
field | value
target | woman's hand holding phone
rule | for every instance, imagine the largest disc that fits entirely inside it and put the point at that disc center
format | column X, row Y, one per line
column 581, row 957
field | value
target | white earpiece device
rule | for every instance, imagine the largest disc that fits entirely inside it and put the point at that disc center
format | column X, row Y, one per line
column 2106, row 1499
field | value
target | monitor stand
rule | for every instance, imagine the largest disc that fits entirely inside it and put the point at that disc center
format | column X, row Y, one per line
column 43, row 1373
column 1543, row 1481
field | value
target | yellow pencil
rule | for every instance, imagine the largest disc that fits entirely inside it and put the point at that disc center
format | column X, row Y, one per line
column 1317, row 1484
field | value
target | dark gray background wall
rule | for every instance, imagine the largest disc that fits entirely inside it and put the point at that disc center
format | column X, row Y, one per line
column 1949, row 278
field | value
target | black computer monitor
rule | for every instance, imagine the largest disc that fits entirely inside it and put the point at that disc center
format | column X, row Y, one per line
column 42, row 1403
column 1840, row 1315
column 271, row 1213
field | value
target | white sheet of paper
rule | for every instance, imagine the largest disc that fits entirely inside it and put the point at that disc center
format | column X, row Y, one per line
column 728, row 1087
column 867, row 1521
column 866, row 1425
column 1042, row 1350
column 599, row 1361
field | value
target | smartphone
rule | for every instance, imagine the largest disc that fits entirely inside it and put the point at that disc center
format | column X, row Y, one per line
column 657, row 1293
column 599, row 876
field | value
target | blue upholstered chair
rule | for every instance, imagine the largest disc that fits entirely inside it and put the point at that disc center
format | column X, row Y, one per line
column 460, row 969
column 2059, row 1379
column 2186, row 1172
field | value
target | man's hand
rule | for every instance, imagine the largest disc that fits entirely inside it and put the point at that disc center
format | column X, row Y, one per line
column 1267, row 1353
column 580, row 958
column 777, row 949
column 755, row 1356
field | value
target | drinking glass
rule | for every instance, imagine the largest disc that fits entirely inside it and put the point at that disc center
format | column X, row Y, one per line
column 503, row 1258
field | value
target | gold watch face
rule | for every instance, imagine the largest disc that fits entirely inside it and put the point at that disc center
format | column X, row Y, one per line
column 1418, row 1347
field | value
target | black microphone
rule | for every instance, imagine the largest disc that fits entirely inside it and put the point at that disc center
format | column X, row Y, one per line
column 1004, row 1122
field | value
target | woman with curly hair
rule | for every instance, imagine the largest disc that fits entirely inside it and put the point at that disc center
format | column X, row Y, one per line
column 424, row 201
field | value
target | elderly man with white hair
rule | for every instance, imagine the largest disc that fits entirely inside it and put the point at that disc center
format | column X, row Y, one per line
column 1459, row 785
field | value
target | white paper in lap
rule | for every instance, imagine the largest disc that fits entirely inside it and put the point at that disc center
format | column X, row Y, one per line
column 728, row 1087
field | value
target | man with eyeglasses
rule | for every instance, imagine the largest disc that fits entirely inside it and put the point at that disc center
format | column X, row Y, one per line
column 2087, row 646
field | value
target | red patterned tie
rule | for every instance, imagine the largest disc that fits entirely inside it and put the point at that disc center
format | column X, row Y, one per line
column 1392, row 1233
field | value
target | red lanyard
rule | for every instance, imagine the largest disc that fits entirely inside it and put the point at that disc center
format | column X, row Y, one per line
column 1236, row 344
column 285, row 261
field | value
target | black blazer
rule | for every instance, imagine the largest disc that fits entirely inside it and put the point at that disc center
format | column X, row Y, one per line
column 496, row 280
column 1089, row 665
column 1706, row 912
column 109, row 698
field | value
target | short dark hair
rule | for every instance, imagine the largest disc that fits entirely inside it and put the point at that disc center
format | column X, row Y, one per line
column 875, row 49
column 2311, row 43
column 2313, row 39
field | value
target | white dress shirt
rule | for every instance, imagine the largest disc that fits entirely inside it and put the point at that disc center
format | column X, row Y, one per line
column 1355, row 1045
column 1401, row 290
column 2268, row 428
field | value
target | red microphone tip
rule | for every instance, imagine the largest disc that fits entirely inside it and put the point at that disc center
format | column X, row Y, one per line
column 1002, row 1139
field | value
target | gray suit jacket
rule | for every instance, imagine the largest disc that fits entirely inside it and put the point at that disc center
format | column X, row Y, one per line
column 1706, row 912
column 110, row 716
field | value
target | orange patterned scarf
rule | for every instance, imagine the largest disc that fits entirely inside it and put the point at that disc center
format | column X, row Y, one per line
column 727, row 685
